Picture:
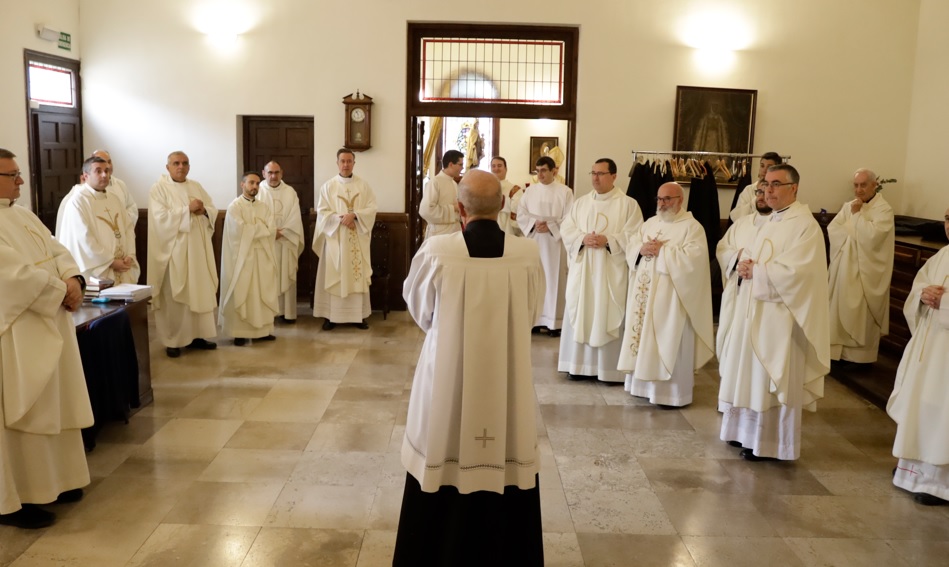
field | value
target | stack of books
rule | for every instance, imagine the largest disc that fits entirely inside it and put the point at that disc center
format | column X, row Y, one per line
column 127, row 292
column 94, row 286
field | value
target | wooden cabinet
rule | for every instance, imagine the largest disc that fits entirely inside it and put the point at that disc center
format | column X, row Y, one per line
column 908, row 257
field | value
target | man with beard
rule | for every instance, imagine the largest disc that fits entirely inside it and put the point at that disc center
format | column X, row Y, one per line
column 668, row 333
column 746, row 199
column 284, row 204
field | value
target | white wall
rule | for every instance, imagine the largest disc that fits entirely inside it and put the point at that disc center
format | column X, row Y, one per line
column 18, row 32
column 515, row 145
column 925, row 192
column 835, row 81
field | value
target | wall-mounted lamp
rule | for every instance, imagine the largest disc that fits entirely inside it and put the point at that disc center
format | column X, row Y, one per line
column 716, row 35
column 47, row 33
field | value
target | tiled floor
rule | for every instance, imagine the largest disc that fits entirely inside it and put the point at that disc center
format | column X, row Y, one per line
column 285, row 454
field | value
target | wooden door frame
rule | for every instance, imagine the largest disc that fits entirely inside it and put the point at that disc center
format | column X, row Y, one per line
column 34, row 158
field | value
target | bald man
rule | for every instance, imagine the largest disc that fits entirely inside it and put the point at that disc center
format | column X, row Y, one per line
column 668, row 333
column 181, row 267
column 471, row 493
column 288, row 241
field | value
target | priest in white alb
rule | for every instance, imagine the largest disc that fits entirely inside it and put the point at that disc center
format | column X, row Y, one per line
column 345, row 214
column 507, row 219
column 745, row 204
column 439, row 204
column 919, row 403
column 595, row 233
column 540, row 213
column 862, row 237
column 735, row 246
column 668, row 331
column 472, row 494
column 115, row 187
column 181, row 267
column 288, row 242
column 777, row 361
column 248, row 267
column 96, row 229
column 43, row 391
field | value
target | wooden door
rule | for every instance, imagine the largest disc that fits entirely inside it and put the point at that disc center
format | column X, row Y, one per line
column 416, row 159
column 56, row 159
column 288, row 140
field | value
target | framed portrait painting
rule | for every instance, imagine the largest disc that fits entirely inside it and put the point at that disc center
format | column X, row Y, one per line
column 714, row 120
column 540, row 145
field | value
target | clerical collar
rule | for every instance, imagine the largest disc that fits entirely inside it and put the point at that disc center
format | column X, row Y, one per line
column 778, row 215
column 603, row 196
column 345, row 179
column 246, row 199
column 96, row 194
column 7, row 203
column 273, row 186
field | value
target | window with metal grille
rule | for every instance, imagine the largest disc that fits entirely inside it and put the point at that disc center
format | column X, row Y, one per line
column 52, row 85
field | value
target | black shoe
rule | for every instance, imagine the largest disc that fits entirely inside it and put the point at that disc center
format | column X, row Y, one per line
column 553, row 332
column 328, row 325
column 202, row 344
column 536, row 330
column 736, row 444
column 363, row 325
column 667, row 407
column 750, row 455
column 29, row 517
column 70, row 496
column 267, row 338
column 287, row 321
column 173, row 352
column 240, row 342
column 928, row 499
column 578, row 377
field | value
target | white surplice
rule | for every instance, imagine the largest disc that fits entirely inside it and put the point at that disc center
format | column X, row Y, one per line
column 919, row 403
column 505, row 221
column 248, row 270
column 42, row 387
column 439, row 205
column 344, row 273
column 181, row 268
column 94, row 227
column 549, row 203
column 597, row 280
column 471, row 421
column 746, row 202
column 776, row 361
column 116, row 187
column 861, row 265
column 285, row 204
column 668, row 311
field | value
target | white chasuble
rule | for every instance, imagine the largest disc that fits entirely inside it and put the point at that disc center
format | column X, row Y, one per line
column 42, row 386
column 788, row 290
column 96, row 230
column 344, row 252
column 919, row 403
column 248, row 270
column 439, row 205
column 667, row 293
column 861, row 264
column 285, row 206
column 471, row 421
column 548, row 203
column 179, row 245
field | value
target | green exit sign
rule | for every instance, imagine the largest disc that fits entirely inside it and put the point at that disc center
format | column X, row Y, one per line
column 65, row 41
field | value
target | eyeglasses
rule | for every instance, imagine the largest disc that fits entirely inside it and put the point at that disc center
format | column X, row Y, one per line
column 14, row 175
column 666, row 200
column 758, row 192
column 600, row 173
column 775, row 184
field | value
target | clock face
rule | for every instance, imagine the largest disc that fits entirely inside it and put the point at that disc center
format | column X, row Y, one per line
column 358, row 115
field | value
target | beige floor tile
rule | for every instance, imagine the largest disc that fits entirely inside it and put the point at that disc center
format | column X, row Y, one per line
column 702, row 513
column 80, row 542
column 367, row 393
column 343, row 437
column 136, row 431
column 225, row 504
column 185, row 463
column 674, row 444
column 363, row 412
column 919, row 552
column 773, row 477
column 555, row 514
column 280, row 547
column 378, row 547
column 621, row 417
column 251, row 465
column 549, row 473
column 630, row 512
column 343, row 469
column 197, row 546
column 895, row 516
column 386, row 508
column 562, row 550
column 588, row 441
column 107, row 457
column 685, row 475
column 615, row 550
column 579, row 394
column 127, row 499
column 211, row 405
column 287, row 436
column 326, row 507
column 607, row 471
column 198, row 433
column 295, row 401
column 823, row 552
column 814, row 516
column 740, row 551
column 14, row 541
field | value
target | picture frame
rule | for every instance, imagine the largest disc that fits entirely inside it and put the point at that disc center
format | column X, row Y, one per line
column 538, row 145
column 714, row 120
